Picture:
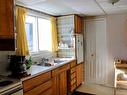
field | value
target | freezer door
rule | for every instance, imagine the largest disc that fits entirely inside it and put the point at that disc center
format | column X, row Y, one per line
column 79, row 48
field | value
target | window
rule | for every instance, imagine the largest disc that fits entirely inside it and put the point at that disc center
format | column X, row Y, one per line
column 29, row 29
column 44, row 30
column 38, row 32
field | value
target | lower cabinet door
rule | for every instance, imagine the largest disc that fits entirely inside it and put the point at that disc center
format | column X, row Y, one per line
column 63, row 83
column 55, row 85
column 47, row 92
column 79, row 73
column 60, row 84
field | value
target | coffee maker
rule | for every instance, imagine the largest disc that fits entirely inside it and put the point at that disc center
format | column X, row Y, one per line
column 17, row 66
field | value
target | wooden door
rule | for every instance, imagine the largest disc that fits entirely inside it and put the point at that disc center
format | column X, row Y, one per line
column 6, row 19
column 63, row 83
column 79, row 73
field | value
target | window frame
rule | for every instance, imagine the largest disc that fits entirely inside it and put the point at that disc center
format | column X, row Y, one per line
column 43, row 16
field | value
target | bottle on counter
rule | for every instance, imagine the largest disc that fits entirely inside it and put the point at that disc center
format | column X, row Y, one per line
column 28, row 65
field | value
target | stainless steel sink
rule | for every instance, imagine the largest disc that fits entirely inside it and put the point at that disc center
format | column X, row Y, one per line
column 59, row 61
column 54, row 61
column 43, row 64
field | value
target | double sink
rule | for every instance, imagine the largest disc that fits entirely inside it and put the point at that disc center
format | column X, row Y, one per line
column 53, row 62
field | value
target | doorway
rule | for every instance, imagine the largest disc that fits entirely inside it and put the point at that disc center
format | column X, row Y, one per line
column 95, row 51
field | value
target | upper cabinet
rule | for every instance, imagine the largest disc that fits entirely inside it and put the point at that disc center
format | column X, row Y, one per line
column 7, row 41
column 6, row 19
column 78, row 24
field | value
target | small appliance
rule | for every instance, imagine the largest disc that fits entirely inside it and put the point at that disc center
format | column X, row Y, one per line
column 17, row 66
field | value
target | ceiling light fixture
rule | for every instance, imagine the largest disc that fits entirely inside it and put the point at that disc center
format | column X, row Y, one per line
column 113, row 1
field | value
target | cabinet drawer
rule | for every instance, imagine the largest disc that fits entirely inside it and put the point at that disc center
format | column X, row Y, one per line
column 40, row 89
column 73, row 87
column 47, row 92
column 73, row 81
column 60, row 69
column 73, row 76
column 33, row 82
column 73, row 63
column 73, row 70
column 79, row 74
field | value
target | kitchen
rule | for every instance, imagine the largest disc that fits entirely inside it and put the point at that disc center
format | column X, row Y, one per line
column 99, row 48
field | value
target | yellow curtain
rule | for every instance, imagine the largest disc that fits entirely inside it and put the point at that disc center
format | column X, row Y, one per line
column 21, row 40
column 54, row 35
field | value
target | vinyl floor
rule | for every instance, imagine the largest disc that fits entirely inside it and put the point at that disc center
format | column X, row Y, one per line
column 93, row 89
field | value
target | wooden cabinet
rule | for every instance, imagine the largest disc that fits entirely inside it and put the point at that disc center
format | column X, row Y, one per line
column 38, row 85
column 63, row 83
column 72, row 77
column 78, row 24
column 47, row 92
column 75, row 76
column 59, row 76
column 55, row 85
column 73, row 80
column 79, row 73
column 6, row 19
column 41, row 89
column 60, row 84
column 7, row 25
column 72, row 63
column 60, row 81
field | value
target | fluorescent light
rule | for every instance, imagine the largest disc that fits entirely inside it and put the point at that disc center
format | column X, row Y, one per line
column 29, row 2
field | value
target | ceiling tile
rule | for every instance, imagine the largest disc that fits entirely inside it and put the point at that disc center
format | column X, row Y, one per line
column 119, row 7
column 87, row 7
column 53, row 7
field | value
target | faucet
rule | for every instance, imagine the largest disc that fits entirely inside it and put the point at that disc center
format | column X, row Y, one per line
column 44, row 60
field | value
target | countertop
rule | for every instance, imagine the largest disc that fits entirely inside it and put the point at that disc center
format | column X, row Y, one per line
column 36, row 70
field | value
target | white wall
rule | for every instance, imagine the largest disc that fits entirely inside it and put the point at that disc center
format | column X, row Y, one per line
column 116, row 33
column 4, row 61
column 117, row 41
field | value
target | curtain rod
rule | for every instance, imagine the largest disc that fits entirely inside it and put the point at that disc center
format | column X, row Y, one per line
column 34, row 10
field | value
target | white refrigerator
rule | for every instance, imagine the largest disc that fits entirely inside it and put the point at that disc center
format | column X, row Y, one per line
column 79, row 48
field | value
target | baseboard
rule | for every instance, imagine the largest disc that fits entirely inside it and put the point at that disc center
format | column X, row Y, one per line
column 82, row 93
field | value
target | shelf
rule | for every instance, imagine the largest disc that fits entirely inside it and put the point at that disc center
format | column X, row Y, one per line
column 119, row 81
column 122, row 84
column 120, row 65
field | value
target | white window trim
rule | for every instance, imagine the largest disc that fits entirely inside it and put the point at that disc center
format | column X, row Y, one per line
column 38, row 15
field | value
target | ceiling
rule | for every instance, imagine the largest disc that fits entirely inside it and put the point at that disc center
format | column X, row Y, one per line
column 82, row 7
